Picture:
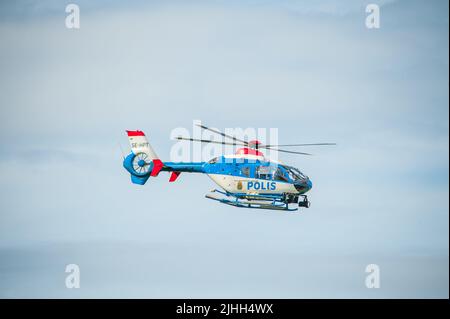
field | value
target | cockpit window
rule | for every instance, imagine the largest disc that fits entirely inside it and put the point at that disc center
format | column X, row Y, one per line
column 245, row 171
column 264, row 172
column 294, row 173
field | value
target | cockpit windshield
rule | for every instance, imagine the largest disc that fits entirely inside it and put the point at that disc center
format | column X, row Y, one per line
column 294, row 173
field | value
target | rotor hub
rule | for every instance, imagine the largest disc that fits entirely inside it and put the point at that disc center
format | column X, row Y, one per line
column 141, row 163
column 254, row 144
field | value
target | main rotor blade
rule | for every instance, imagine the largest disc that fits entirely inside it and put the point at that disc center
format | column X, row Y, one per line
column 307, row 144
column 223, row 134
column 207, row 141
column 285, row 151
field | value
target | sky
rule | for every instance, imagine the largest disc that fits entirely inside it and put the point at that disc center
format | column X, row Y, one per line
column 309, row 68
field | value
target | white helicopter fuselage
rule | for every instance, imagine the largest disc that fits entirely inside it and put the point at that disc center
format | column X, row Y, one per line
column 250, row 185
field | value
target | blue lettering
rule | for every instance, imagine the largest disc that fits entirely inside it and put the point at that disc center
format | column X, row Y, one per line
column 262, row 185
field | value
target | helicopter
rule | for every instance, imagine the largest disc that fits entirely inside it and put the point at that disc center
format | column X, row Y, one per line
column 247, row 179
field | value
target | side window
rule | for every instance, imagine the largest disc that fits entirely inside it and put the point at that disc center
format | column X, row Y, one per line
column 245, row 171
column 263, row 172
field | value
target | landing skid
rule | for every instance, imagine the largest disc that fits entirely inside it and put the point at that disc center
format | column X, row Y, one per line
column 252, row 201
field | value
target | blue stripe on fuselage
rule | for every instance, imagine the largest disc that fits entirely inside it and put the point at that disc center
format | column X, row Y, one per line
column 194, row 167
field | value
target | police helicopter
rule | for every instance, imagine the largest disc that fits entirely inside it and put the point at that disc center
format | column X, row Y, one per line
column 247, row 178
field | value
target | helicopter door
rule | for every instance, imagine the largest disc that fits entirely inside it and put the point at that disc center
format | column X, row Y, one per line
column 245, row 171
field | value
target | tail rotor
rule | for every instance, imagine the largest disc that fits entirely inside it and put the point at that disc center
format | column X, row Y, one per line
column 142, row 162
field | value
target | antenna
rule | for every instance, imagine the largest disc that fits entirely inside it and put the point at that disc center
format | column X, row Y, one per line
column 121, row 150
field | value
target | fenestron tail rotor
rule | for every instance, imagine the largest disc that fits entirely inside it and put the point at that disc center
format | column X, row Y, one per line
column 141, row 163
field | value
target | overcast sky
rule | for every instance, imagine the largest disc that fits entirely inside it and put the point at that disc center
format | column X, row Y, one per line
column 309, row 68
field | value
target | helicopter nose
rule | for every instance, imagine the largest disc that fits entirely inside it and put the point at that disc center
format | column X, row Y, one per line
column 303, row 186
